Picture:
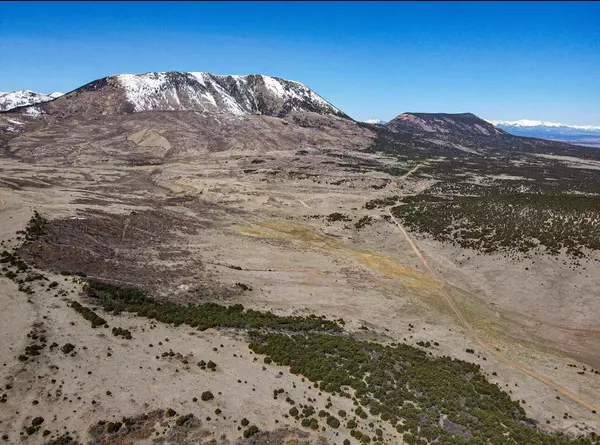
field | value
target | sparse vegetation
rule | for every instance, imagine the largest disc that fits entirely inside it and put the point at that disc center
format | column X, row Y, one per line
column 381, row 202
column 117, row 299
column 363, row 222
column 36, row 227
column 520, row 222
column 89, row 315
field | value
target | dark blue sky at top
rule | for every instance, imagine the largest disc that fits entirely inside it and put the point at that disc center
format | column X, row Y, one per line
column 499, row 60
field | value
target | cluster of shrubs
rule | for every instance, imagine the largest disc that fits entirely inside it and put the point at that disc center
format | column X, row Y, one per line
column 406, row 387
column 13, row 260
column 31, row 351
column 336, row 216
column 210, row 365
column 35, row 426
column 89, row 315
column 310, row 422
column 250, row 431
column 364, row 221
column 120, row 332
column 118, row 299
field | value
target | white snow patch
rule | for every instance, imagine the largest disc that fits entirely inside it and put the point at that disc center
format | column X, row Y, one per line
column 156, row 91
column 274, row 86
column 33, row 111
column 21, row 98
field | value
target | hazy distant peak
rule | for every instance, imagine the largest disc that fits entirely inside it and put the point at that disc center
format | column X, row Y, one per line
column 534, row 123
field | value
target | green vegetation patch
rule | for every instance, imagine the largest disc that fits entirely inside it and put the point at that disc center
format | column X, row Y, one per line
column 118, row 299
column 88, row 314
column 427, row 399
column 520, row 222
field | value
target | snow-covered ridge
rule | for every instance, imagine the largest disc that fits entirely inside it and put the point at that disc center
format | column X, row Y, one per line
column 239, row 95
column 21, row 98
column 533, row 123
column 375, row 121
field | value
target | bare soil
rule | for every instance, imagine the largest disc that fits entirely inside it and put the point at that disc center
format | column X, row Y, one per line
column 190, row 229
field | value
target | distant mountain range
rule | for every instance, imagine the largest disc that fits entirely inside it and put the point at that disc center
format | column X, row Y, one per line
column 257, row 94
column 573, row 134
column 20, row 98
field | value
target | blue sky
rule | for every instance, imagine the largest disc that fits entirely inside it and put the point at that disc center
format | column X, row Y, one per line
column 499, row 60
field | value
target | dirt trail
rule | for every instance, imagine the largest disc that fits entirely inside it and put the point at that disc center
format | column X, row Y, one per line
column 410, row 172
column 462, row 319
column 473, row 333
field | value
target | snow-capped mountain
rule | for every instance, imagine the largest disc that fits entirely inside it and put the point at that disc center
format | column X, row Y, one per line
column 574, row 134
column 375, row 121
column 188, row 91
column 21, row 98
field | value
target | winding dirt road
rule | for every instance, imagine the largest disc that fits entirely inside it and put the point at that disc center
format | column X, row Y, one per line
column 487, row 346
column 462, row 319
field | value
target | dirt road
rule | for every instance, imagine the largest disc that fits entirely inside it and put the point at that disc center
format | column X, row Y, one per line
column 487, row 346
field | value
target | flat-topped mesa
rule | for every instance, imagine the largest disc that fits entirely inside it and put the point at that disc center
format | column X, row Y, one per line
column 188, row 91
column 461, row 124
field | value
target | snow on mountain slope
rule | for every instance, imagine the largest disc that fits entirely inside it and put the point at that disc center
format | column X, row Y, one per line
column 21, row 98
column 255, row 94
column 189, row 91
column 375, row 121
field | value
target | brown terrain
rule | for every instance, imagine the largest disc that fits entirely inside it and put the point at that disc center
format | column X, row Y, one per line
column 188, row 205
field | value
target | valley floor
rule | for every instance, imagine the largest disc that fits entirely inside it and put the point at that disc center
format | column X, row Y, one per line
column 294, row 231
